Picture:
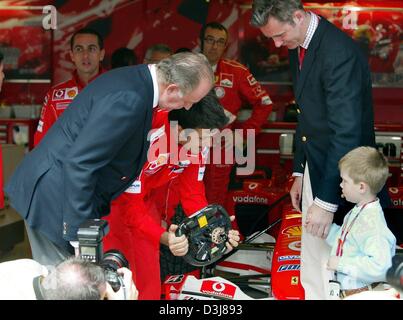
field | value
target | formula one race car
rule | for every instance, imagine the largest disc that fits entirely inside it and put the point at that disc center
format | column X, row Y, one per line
column 284, row 274
column 266, row 264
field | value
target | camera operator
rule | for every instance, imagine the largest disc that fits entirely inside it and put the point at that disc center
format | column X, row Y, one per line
column 72, row 279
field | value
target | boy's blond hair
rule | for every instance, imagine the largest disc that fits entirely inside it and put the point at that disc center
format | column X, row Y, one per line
column 366, row 164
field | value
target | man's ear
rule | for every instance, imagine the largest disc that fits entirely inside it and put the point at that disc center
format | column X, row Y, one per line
column 298, row 17
column 71, row 55
column 102, row 56
column 172, row 89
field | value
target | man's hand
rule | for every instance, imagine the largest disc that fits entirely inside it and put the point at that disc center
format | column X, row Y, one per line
column 318, row 221
column 179, row 246
column 127, row 291
column 233, row 238
column 333, row 262
column 296, row 193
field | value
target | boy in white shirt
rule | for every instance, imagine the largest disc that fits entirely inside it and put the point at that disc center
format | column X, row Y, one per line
column 363, row 247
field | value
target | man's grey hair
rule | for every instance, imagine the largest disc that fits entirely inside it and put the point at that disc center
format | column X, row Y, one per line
column 159, row 47
column 185, row 69
column 74, row 279
column 282, row 10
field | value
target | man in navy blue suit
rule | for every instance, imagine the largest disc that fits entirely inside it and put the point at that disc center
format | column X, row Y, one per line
column 333, row 90
column 97, row 148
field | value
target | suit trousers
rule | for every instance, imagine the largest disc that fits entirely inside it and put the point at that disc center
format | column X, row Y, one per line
column 43, row 250
column 315, row 252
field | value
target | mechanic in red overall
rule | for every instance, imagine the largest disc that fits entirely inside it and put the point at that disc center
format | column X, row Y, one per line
column 87, row 52
column 135, row 219
column 234, row 86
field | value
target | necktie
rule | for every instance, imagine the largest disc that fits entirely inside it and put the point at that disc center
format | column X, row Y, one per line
column 301, row 56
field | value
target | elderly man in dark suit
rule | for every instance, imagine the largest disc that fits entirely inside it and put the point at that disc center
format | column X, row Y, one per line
column 97, row 148
column 332, row 87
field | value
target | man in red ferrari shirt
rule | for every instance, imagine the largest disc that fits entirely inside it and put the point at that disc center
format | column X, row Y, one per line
column 235, row 86
column 176, row 153
column 87, row 52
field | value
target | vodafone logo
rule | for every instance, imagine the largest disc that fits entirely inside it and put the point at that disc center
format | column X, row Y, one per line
column 218, row 289
column 397, row 202
column 250, row 199
column 253, row 185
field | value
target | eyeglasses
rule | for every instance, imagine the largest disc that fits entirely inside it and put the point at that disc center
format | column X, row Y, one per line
column 211, row 41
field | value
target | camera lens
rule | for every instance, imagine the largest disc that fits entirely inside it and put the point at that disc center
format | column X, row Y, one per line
column 114, row 259
column 111, row 262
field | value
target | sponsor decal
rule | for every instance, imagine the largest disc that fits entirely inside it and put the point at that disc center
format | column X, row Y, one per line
column 135, row 187
column 61, row 105
column 251, row 79
column 230, row 116
column 250, row 199
column 59, row 94
column 295, row 245
column 397, row 202
column 288, row 267
column 202, row 221
column 220, row 92
column 71, row 93
column 393, row 190
column 201, row 173
column 175, row 279
column 253, row 185
column 40, row 126
column 226, row 80
column 258, row 91
column 293, row 231
column 266, row 100
column 289, row 257
column 218, row 289
column 294, row 281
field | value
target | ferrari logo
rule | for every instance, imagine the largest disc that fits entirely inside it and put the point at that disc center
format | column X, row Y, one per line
column 202, row 221
column 294, row 281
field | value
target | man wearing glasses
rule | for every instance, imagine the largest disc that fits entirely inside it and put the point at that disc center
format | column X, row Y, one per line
column 234, row 86
column 87, row 52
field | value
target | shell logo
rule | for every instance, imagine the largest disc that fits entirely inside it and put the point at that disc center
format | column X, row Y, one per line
column 293, row 231
column 71, row 93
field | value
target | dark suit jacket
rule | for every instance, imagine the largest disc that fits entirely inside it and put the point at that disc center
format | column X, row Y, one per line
column 90, row 155
column 333, row 91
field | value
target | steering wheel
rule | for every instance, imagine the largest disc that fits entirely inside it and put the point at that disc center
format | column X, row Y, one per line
column 207, row 233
